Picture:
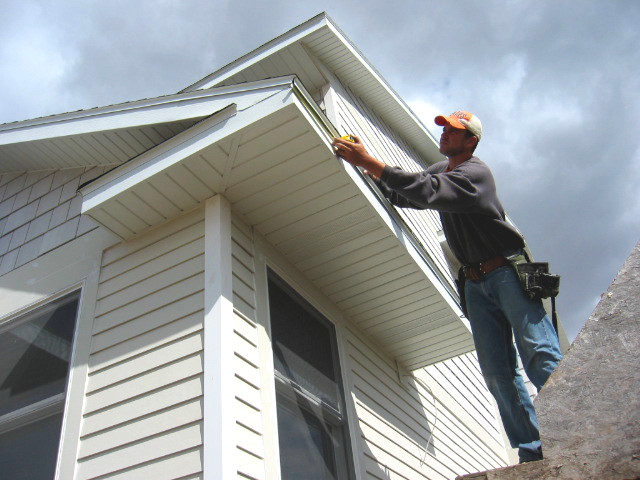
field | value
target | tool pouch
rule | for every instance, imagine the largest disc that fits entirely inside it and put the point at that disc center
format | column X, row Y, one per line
column 535, row 278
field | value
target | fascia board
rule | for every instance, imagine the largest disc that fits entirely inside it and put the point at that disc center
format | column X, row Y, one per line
column 292, row 36
column 182, row 106
column 219, row 126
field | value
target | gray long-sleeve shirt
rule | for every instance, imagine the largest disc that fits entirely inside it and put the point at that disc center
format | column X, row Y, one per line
column 472, row 216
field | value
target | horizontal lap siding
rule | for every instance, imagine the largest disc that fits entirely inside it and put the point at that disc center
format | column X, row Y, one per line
column 249, row 431
column 396, row 422
column 353, row 116
column 462, row 378
column 143, row 409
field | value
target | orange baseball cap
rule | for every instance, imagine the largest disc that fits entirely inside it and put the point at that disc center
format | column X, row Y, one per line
column 462, row 120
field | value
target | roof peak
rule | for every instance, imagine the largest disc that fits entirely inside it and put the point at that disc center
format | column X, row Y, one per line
column 293, row 35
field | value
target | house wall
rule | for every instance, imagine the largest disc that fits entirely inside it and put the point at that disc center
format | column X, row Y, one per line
column 429, row 425
column 39, row 211
column 392, row 421
column 142, row 416
column 250, row 381
column 143, row 412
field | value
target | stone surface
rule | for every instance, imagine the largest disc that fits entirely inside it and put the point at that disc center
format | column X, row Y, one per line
column 589, row 410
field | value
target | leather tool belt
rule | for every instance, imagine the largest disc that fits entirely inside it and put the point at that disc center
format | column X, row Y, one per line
column 478, row 271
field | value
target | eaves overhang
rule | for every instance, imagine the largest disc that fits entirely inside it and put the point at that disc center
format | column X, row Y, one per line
column 114, row 134
column 320, row 39
column 274, row 163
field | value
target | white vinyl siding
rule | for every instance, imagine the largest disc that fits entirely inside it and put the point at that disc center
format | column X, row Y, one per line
column 396, row 420
column 142, row 416
column 391, row 422
column 353, row 116
column 144, row 406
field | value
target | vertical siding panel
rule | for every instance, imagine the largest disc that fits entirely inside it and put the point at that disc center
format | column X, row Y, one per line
column 143, row 407
column 249, row 432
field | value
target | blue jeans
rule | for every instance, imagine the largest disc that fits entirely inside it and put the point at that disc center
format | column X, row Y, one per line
column 497, row 305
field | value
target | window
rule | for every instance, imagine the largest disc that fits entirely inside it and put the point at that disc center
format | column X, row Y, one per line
column 312, row 426
column 35, row 350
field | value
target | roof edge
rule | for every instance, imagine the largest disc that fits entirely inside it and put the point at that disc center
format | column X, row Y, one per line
column 424, row 140
column 19, row 132
column 263, row 50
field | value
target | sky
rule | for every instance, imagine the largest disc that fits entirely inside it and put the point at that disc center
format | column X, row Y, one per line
column 556, row 84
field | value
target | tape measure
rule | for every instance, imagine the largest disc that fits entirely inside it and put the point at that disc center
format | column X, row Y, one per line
column 348, row 138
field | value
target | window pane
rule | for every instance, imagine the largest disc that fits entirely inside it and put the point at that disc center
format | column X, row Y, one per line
column 306, row 452
column 312, row 429
column 34, row 356
column 30, row 452
column 302, row 347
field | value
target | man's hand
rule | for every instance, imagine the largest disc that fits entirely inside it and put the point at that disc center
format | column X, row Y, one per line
column 356, row 154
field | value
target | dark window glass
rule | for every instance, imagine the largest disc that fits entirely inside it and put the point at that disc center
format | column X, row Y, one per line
column 34, row 356
column 302, row 347
column 306, row 452
column 30, row 452
column 312, row 429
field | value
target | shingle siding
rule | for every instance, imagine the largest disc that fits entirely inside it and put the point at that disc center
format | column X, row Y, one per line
column 39, row 211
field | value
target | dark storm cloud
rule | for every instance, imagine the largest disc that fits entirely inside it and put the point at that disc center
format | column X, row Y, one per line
column 556, row 84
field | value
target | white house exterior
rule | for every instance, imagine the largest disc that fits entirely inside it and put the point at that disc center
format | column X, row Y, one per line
column 196, row 287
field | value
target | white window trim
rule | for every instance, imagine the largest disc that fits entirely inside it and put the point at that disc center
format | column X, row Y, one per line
column 267, row 257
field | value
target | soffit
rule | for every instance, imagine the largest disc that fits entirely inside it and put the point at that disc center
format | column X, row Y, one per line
column 276, row 167
column 108, row 147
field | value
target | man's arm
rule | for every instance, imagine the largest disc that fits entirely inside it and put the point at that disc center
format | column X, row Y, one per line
column 355, row 153
column 452, row 191
column 394, row 197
